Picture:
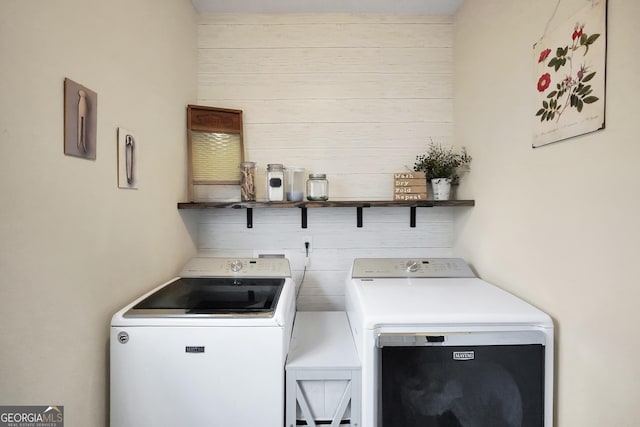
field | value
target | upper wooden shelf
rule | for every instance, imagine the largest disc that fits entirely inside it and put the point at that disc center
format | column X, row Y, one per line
column 358, row 204
column 328, row 204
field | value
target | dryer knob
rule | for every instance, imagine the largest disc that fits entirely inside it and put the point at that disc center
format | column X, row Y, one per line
column 236, row 265
column 412, row 266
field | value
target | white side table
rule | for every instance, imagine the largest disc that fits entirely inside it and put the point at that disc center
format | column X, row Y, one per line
column 322, row 371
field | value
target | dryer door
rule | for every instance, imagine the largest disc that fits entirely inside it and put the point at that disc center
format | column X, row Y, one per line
column 428, row 383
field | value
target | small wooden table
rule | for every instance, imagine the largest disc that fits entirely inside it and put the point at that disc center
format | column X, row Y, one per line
column 322, row 371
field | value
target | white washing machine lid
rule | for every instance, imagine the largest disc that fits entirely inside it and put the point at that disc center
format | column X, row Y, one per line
column 208, row 297
column 217, row 292
column 279, row 317
column 441, row 302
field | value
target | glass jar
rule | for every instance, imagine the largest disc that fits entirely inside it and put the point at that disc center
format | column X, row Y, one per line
column 317, row 187
column 294, row 184
column 248, row 181
column 275, row 182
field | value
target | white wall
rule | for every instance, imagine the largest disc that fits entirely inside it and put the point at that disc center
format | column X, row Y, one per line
column 556, row 225
column 353, row 96
column 73, row 247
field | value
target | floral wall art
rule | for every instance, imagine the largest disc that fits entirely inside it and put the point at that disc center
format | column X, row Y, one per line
column 569, row 77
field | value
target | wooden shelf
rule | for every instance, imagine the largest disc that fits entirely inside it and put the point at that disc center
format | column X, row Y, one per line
column 358, row 204
column 329, row 204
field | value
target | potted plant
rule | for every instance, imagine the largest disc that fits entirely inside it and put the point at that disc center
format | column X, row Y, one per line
column 441, row 166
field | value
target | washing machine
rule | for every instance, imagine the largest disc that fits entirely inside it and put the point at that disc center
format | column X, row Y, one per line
column 207, row 348
column 440, row 347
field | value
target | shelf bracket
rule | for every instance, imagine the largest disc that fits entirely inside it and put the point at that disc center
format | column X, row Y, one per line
column 412, row 217
column 249, row 217
column 359, row 216
column 303, row 216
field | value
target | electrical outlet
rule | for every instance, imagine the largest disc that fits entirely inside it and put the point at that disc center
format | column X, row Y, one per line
column 306, row 239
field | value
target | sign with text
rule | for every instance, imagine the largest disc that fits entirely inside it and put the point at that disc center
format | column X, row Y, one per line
column 409, row 186
column 31, row 416
column 410, row 197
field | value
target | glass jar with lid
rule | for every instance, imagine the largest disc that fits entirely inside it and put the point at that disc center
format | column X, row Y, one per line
column 294, row 184
column 317, row 187
column 275, row 182
column 248, row 181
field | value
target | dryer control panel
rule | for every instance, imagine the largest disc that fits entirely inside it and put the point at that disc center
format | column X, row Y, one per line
column 379, row 268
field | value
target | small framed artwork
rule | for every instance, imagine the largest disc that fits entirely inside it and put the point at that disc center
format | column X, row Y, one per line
column 569, row 77
column 127, row 159
column 80, row 120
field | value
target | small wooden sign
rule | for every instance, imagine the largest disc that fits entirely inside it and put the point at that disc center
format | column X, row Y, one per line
column 409, row 197
column 413, row 189
column 410, row 182
column 409, row 186
column 409, row 175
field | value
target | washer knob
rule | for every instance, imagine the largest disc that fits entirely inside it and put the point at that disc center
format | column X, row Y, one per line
column 412, row 266
column 236, row 265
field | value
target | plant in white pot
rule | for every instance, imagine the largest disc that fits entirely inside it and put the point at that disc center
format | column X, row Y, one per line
column 441, row 166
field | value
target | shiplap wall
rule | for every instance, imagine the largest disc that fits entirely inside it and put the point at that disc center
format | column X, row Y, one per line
column 352, row 96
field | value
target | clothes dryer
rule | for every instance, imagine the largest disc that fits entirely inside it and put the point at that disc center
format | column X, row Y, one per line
column 441, row 347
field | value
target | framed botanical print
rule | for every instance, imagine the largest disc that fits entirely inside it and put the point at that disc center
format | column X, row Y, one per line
column 569, row 77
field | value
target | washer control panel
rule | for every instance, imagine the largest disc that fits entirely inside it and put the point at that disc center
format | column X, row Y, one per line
column 237, row 267
column 374, row 268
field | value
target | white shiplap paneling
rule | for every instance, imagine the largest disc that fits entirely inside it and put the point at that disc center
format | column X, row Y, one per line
column 315, row 18
column 336, row 241
column 339, row 110
column 326, row 85
column 221, row 60
column 285, row 137
column 287, row 31
column 353, row 96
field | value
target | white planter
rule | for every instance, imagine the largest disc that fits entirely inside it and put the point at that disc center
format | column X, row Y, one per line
column 441, row 188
